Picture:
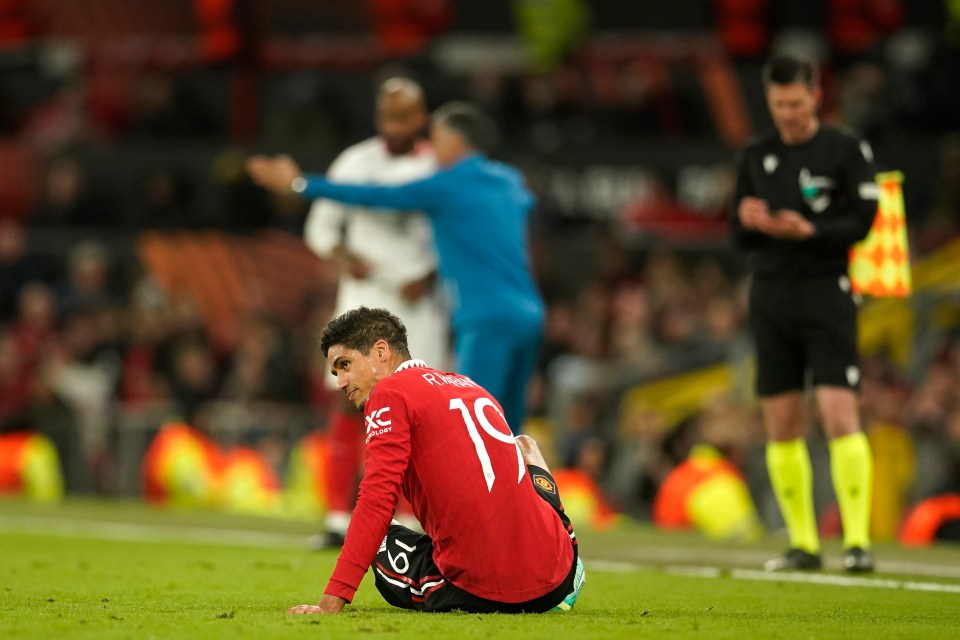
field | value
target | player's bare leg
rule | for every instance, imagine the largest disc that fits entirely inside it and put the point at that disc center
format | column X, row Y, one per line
column 851, row 466
column 788, row 463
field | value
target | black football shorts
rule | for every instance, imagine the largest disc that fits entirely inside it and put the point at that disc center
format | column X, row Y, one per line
column 406, row 576
column 803, row 325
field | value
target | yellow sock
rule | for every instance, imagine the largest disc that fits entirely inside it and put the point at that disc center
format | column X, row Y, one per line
column 851, row 464
column 792, row 478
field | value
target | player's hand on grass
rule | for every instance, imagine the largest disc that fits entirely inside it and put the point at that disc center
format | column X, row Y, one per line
column 327, row 604
column 273, row 173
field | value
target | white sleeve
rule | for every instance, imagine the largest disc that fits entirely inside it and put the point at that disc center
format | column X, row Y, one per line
column 323, row 230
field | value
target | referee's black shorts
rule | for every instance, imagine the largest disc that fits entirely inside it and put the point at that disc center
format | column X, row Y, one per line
column 801, row 325
column 406, row 576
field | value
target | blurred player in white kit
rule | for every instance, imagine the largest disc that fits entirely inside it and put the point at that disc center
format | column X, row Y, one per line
column 385, row 261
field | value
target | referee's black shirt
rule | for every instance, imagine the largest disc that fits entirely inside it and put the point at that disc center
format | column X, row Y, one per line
column 829, row 179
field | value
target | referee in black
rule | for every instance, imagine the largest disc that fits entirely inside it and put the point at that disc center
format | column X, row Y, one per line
column 805, row 193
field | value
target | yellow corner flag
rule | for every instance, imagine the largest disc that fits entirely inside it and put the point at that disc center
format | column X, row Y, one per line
column 880, row 263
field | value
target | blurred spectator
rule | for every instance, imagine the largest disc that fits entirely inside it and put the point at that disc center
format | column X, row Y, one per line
column 722, row 322
column 951, row 455
column 857, row 27
column 941, row 92
column 16, row 267
column 165, row 108
column 631, row 332
column 147, row 323
column 883, row 398
column 637, row 464
column 578, row 367
column 866, row 99
column 185, row 369
column 67, row 198
column 63, row 200
column 86, row 383
column 243, row 206
column 61, row 121
column 675, row 330
column 619, row 314
column 313, row 114
column 943, row 222
column 87, row 283
column 163, row 199
column 195, row 377
column 577, row 430
column 16, row 383
column 52, row 415
column 35, row 327
column 263, row 366
column 929, row 413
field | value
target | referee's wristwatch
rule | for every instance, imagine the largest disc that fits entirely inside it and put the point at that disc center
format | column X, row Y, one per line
column 298, row 184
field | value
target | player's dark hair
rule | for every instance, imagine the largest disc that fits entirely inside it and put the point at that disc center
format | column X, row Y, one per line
column 469, row 121
column 360, row 328
column 789, row 69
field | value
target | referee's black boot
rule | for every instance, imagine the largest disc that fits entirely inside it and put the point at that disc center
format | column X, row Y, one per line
column 857, row 560
column 795, row 560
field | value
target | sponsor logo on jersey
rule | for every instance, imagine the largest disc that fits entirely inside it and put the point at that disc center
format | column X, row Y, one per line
column 377, row 423
column 544, row 483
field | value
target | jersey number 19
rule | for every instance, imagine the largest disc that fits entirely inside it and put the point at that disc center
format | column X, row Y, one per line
column 468, row 418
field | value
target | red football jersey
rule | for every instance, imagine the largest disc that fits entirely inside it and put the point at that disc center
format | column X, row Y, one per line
column 442, row 440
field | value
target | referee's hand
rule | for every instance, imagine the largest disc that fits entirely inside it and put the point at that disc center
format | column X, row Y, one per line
column 753, row 213
column 789, row 225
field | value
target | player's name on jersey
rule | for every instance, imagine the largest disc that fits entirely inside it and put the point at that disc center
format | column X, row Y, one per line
column 439, row 379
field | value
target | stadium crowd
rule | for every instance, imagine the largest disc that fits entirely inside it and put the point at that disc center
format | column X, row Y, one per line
column 91, row 342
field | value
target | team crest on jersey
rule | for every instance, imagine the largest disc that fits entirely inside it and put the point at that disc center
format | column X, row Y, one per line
column 816, row 190
column 770, row 163
column 544, row 483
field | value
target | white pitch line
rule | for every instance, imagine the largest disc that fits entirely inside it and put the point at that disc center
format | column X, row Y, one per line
column 844, row 581
column 753, row 574
column 658, row 556
column 139, row 532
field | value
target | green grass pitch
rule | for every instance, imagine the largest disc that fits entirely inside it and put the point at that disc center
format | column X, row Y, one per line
column 104, row 570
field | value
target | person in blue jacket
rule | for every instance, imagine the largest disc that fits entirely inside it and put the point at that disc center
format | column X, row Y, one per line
column 479, row 210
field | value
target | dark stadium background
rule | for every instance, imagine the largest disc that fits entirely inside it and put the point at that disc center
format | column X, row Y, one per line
column 142, row 275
